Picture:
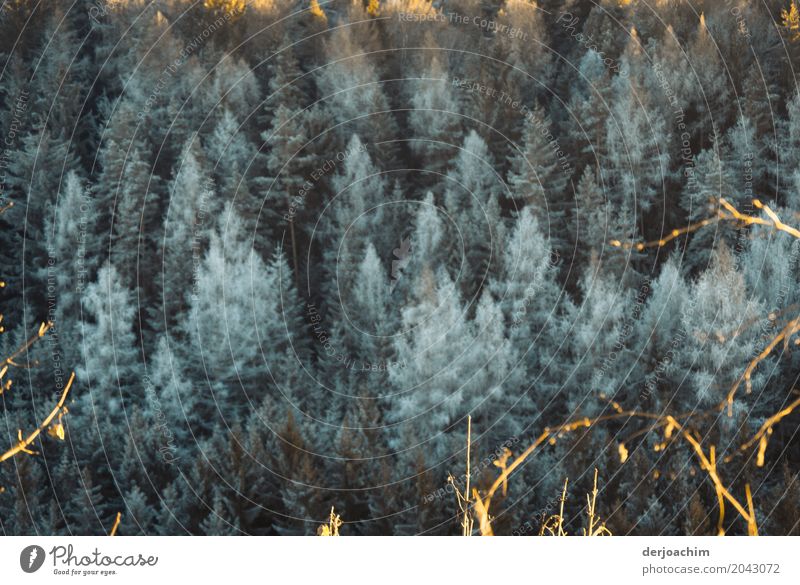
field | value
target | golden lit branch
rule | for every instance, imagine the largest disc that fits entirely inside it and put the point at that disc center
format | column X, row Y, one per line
column 671, row 425
column 316, row 10
column 726, row 212
column 752, row 528
column 776, row 222
column 548, row 434
column 483, row 515
column 676, row 233
column 763, row 434
column 772, row 316
column 24, row 443
column 710, row 466
column 43, row 328
column 116, row 524
column 552, row 435
column 487, row 499
column 790, row 329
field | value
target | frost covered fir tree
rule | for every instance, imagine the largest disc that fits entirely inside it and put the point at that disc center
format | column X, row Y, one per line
column 188, row 221
column 637, row 161
column 537, row 178
column 137, row 213
column 354, row 217
column 718, row 346
column 244, row 321
column 587, row 128
column 434, row 120
column 110, row 356
column 231, row 156
column 442, row 377
column 350, row 83
column 475, row 231
column 533, row 307
column 71, row 245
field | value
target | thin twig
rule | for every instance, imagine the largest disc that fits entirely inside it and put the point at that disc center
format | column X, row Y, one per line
column 22, row 445
column 116, row 525
column 466, row 523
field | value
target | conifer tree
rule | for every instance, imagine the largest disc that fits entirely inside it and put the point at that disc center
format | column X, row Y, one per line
column 110, row 358
column 537, row 178
column 434, row 119
column 472, row 202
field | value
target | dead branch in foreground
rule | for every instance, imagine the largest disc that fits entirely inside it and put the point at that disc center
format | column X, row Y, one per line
column 670, row 423
column 57, row 429
column 59, row 410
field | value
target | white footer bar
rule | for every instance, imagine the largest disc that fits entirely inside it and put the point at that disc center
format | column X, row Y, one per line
column 406, row 560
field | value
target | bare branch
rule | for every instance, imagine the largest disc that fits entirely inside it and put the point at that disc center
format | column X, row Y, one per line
column 23, row 444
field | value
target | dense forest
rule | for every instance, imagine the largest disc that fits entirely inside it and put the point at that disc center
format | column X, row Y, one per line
column 312, row 255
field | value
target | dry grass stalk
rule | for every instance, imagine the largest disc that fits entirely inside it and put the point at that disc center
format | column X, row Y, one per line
column 332, row 527
column 463, row 499
column 595, row 526
column 466, row 522
column 554, row 525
